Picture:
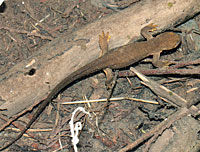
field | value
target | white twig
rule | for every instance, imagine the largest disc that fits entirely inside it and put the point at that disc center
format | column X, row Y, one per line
column 75, row 129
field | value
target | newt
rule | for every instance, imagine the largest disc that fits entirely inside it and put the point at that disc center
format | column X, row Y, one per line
column 116, row 58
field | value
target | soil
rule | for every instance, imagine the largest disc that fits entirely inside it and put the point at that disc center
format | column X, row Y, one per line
column 28, row 25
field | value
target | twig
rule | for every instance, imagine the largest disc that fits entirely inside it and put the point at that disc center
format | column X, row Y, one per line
column 170, row 70
column 17, row 116
column 111, row 99
column 182, row 64
column 17, row 125
column 33, row 33
column 162, row 91
column 194, row 71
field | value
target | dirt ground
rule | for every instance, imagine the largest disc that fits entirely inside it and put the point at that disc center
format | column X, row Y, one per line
column 25, row 26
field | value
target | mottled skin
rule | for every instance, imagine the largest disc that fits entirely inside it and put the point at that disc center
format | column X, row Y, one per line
column 116, row 58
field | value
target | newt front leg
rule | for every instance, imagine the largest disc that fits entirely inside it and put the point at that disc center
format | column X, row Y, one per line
column 146, row 33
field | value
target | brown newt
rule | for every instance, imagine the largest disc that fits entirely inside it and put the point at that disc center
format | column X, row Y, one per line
column 115, row 58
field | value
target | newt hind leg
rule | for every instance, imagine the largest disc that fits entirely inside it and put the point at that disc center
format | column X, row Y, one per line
column 103, row 44
column 160, row 63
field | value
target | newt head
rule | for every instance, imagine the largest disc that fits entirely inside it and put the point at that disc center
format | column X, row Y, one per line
column 168, row 40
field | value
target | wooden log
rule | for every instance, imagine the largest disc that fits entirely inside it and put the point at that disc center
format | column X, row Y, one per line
column 22, row 86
